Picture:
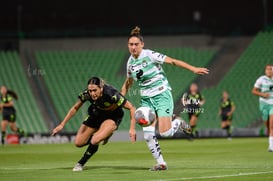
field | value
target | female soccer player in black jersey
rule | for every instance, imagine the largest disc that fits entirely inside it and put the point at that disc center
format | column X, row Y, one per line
column 227, row 108
column 9, row 112
column 193, row 100
column 104, row 116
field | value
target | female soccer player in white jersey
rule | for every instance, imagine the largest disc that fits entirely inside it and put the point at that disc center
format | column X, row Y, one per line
column 144, row 67
column 263, row 88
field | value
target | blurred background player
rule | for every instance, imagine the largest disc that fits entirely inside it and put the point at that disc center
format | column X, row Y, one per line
column 227, row 108
column 263, row 88
column 8, row 112
column 193, row 100
column 105, row 113
column 144, row 67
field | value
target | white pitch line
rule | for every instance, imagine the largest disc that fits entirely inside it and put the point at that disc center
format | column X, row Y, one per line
column 218, row 176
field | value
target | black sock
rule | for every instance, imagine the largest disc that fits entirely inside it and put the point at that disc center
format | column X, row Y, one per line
column 20, row 131
column 227, row 128
column 193, row 130
column 90, row 151
column 3, row 137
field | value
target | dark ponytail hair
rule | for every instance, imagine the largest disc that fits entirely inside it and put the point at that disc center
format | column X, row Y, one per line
column 13, row 94
column 96, row 81
column 10, row 92
column 136, row 33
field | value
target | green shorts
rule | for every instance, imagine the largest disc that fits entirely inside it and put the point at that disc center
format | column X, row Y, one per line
column 266, row 110
column 162, row 103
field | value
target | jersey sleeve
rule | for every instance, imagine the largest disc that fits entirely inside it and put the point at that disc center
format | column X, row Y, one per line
column 156, row 57
column 9, row 98
column 84, row 96
column 258, row 83
column 118, row 99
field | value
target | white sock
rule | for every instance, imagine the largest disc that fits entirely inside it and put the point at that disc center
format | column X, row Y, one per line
column 270, row 142
column 168, row 133
column 152, row 143
column 175, row 126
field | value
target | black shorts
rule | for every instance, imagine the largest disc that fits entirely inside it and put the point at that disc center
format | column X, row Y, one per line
column 225, row 117
column 193, row 111
column 9, row 115
column 193, row 114
column 96, row 117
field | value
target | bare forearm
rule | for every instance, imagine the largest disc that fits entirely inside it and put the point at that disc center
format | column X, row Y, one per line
column 126, row 86
column 69, row 115
column 133, row 121
column 258, row 93
column 124, row 89
column 232, row 109
column 183, row 64
column 9, row 104
column 132, row 110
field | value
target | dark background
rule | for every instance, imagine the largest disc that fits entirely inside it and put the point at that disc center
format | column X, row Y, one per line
column 74, row 18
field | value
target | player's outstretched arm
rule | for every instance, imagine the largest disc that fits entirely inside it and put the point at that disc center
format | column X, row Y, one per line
column 132, row 132
column 126, row 86
column 256, row 91
column 182, row 64
column 68, row 116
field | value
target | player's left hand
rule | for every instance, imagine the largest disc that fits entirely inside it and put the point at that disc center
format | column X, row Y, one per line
column 132, row 134
column 201, row 70
column 57, row 129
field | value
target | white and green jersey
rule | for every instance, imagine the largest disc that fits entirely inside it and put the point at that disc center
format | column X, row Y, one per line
column 147, row 71
column 265, row 84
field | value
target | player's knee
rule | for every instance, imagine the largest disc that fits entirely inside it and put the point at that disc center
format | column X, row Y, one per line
column 79, row 143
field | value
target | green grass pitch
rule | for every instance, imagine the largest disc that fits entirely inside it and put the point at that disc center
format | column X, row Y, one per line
column 203, row 159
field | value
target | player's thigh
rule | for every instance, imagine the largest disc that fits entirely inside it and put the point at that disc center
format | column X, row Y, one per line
column 265, row 111
column 83, row 135
column 106, row 129
column 164, row 110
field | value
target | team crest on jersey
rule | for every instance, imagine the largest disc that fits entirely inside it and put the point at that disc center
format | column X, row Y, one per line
column 144, row 63
column 137, row 67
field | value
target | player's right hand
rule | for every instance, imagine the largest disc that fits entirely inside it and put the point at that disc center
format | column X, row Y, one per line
column 132, row 134
column 266, row 95
column 57, row 129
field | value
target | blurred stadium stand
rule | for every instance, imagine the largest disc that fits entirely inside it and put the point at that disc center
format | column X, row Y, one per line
column 239, row 82
column 68, row 72
column 14, row 76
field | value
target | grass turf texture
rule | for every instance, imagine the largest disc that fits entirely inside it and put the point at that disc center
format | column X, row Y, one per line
column 204, row 159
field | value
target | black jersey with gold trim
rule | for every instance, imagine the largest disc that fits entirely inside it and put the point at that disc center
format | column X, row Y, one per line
column 110, row 100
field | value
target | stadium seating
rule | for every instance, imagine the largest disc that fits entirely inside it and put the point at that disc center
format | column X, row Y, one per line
column 68, row 72
column 13, row 75
column 239, row 82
